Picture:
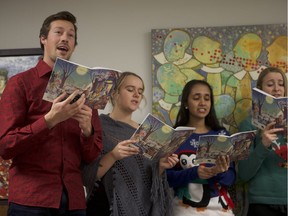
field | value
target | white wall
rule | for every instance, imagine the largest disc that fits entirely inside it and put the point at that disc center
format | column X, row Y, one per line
column 116, row 34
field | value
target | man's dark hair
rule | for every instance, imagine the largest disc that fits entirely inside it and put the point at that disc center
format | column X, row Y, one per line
column 63, row 15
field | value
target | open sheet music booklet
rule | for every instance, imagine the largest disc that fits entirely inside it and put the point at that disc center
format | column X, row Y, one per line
column 158, row 139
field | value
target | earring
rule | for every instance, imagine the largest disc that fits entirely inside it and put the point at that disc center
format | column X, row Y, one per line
column 186, row 107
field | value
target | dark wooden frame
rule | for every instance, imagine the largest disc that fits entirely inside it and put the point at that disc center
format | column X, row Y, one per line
column 20, row 52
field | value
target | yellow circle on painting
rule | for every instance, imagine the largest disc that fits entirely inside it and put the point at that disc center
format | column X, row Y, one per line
column 269, row 100
column 166, row 129
column 222, row 139
column 81, row 70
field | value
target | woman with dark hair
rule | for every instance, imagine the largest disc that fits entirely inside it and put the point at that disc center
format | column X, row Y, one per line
column 265, row 170
column 183, row 115
column 200, row 189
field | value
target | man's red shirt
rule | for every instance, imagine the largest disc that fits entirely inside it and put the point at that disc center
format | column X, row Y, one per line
column 44, row 160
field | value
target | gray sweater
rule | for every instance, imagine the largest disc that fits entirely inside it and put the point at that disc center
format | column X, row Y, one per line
column 133, row 185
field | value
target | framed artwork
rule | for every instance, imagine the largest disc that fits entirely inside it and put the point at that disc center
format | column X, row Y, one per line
column 229, row 58
column 13, row 61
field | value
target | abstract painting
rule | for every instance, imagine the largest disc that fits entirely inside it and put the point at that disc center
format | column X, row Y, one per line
column 230, row 58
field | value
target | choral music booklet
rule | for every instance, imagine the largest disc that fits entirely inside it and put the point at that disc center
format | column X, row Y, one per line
column 96, row 83
column 157, row 139
column 267, row 108
column 235, row 146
